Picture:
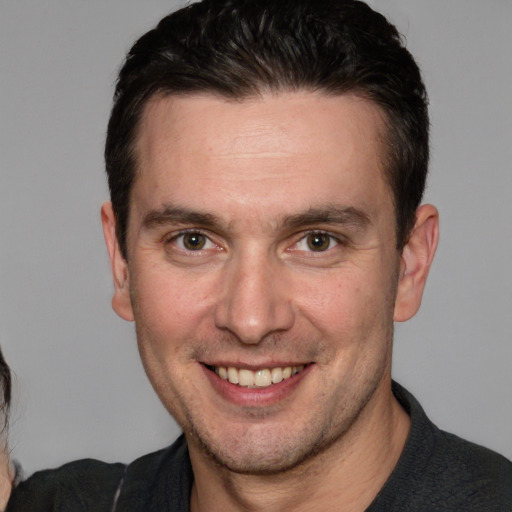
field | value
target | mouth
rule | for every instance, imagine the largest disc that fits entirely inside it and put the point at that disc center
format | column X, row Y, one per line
column 262, row 378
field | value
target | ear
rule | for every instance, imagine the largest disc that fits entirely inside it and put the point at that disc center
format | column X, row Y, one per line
column 416, row 258
column 121, row 302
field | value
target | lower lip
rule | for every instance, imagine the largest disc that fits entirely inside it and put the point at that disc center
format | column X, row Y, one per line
column 255, row 397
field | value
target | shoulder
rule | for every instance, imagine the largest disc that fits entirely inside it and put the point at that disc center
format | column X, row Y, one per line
column 88, row 484
column 440, row 471
column 81, row 485
column 473, row 472
column 158, row 481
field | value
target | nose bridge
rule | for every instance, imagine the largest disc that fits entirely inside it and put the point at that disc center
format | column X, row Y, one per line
column 255, row 300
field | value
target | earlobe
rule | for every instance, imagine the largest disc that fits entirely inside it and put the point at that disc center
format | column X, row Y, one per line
column 121, row 302
column 416, row 258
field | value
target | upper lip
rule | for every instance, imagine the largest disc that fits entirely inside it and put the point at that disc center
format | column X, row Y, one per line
column 255, row 367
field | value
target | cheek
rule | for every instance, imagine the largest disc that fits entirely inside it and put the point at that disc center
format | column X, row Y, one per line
column 354, row 316
column 168, row 306
column 342, row 300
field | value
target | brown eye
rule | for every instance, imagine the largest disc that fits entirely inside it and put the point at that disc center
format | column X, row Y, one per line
column 194, row 241
column 318, row 242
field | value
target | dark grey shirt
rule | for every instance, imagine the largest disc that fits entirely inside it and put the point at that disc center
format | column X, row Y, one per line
column 437, row 472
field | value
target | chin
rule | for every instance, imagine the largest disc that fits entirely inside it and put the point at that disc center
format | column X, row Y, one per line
column 268, row 453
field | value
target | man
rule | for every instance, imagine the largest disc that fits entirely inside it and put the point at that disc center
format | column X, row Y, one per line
column 266, row 163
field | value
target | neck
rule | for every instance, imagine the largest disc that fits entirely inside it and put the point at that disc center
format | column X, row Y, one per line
column 346, row 476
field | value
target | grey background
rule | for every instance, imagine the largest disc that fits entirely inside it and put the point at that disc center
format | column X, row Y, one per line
column 81, row 390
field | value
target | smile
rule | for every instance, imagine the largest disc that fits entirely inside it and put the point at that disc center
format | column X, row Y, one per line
column 256, row 379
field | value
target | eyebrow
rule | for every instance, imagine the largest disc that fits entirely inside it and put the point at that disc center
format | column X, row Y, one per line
column 175, row 215
column 329, row 214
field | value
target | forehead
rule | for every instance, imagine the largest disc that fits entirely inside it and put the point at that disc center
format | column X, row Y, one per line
column 203, row 114
column 269, row 150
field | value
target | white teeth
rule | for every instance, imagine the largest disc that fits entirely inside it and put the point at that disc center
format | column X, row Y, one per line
column 277, row 375
column 246, row 378
column 233, row 375
column 260, row 378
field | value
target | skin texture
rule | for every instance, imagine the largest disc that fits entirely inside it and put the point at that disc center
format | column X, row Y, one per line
column 6, row 477
column 255, row 184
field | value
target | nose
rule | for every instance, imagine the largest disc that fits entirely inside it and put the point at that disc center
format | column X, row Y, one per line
column 255, row 301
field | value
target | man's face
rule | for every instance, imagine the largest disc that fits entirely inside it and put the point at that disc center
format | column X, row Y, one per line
column 262, row 271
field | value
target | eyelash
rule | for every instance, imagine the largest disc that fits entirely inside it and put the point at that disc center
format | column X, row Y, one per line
column 176, row 236
column 333, row 241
